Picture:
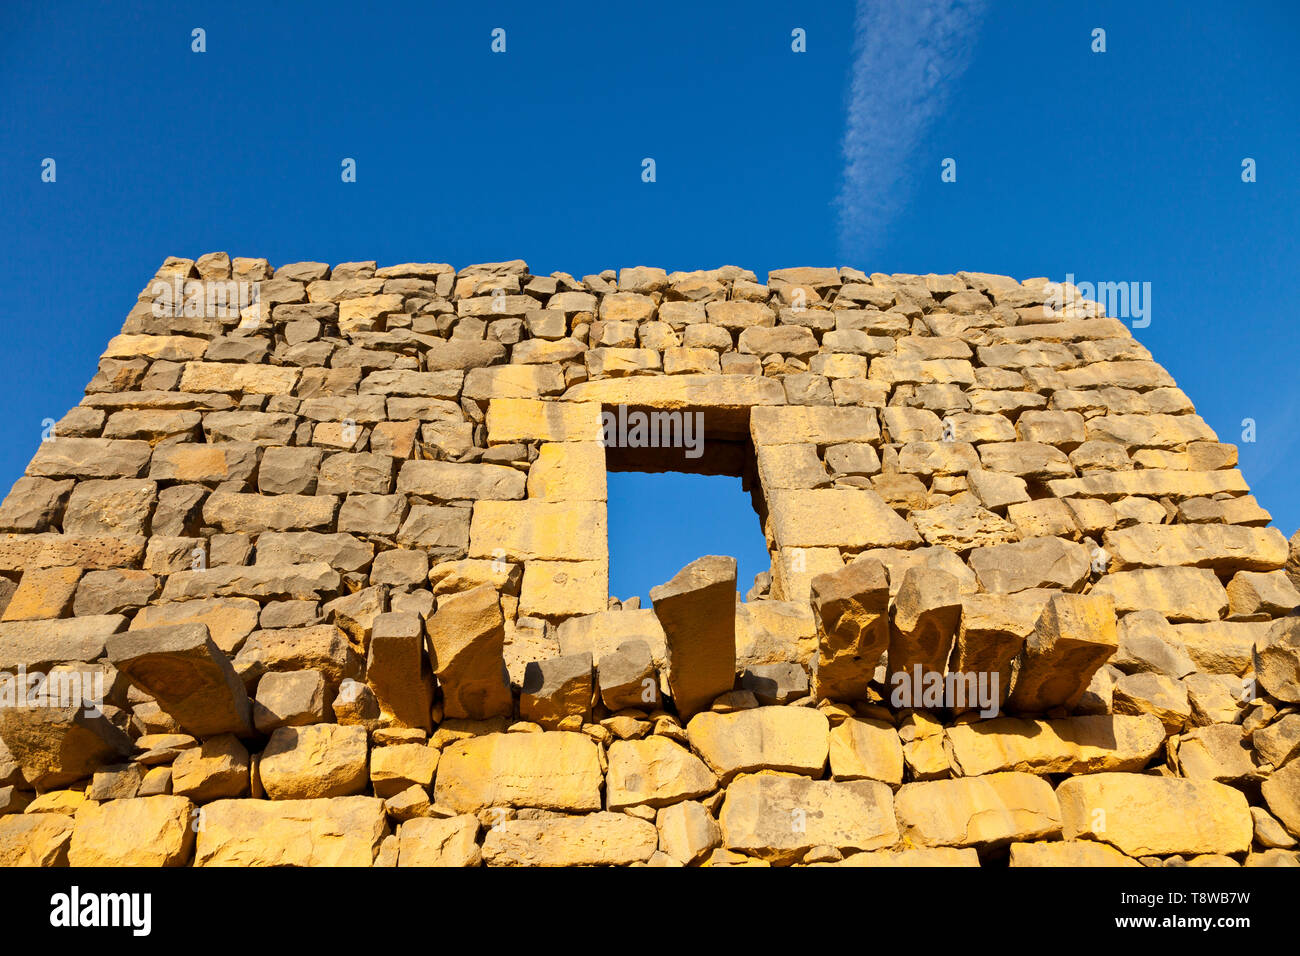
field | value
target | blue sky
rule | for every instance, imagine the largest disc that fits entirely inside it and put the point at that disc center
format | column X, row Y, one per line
column 1123, row 165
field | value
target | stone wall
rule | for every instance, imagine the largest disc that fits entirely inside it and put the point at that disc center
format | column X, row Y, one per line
column 324, row 580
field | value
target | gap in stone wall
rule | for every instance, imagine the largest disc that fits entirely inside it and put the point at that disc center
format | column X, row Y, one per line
column 686, row 499
column 661, row 521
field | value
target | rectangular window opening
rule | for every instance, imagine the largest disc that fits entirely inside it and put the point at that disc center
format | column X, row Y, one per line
column 680, row 489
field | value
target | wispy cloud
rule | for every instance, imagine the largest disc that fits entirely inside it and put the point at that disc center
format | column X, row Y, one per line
column 908, row 56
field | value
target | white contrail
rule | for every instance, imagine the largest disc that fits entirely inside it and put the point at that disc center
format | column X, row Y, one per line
column 908, row 55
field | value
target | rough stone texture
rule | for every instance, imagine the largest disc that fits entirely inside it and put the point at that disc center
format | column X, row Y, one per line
column 395, row 768
column 450, row 842
column 866, row 750
column 379, row 513
column 793, row 739
column 397, row 670
column 779, row 819
column 322, row 760
column 983, row 811
column 654, row 772
column 992, row 635
column 1277, row 661
column 597, row 839
column 1147, row 816
column 219, row 767
column 627, row 676
column 927, row 611
column 35, row 839
column 1068, row 853
column 551, row 770
column 1074, row 636
column 1282, row 794
column 697, row 611
column 189, row 676
column 555, row 689
column 1086, row 744
column 467, row 635
column 344, row 831
column 289, row 698
column 149, row 831
column 851, row 610
column 687, row 831
column 56, row 745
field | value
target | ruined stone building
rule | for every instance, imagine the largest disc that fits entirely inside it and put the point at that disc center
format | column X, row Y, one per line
column 320, row 576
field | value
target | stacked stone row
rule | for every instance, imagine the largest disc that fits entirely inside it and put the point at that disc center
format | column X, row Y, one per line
column 337, row 558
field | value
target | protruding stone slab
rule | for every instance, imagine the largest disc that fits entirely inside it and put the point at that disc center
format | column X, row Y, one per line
column 1271, row 593
column 792, row 739
column 33, row 505
column 57, row 745
column 596, row 839
column 344, row 831
column 1074, row 636
column 1219, row 752
column 1154, row 694
column 236, row 512
column 90, row 458
column 1156, row 816
column 467, row 634
column 851, row 609
column 927, row 613
column 1221, row 647
column 189, row 676
column 1151, row 482
column 21, row 552
column 322, row 647
column 697, row 609
column 1282, row 794
column 985, row 811
column 553, row 770
column 1277, row 660
column 779, row 819
column 397, row 670
column 992, row 635
column 1149, row 644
